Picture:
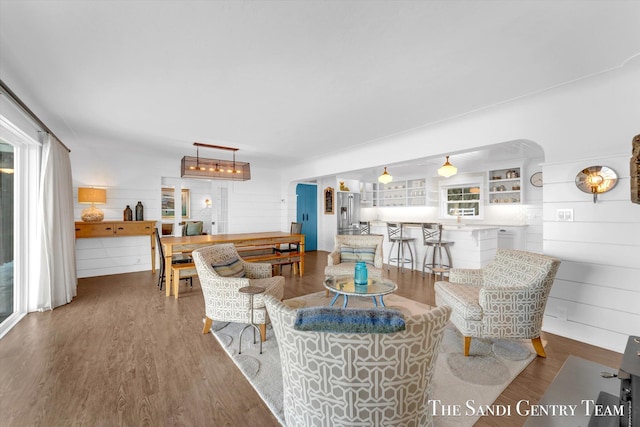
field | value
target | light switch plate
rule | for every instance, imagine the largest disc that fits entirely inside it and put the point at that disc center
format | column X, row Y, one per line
column 564, row 215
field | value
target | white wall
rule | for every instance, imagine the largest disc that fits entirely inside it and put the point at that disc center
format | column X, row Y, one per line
column 588, row 122
column 133, row 174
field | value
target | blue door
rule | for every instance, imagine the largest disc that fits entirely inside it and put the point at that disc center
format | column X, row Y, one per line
column 307, row 214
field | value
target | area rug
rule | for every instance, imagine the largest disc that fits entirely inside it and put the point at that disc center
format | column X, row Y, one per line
column 470, row 384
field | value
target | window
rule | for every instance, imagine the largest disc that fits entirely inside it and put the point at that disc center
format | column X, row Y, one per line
column 463, row 200
column 20, row 161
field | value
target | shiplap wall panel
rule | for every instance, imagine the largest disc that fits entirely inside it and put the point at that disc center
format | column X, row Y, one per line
column 606, row 319
column 596, row 295
column 602, row 274
column 586, row 232
column 585, row 333
column 595, row 253
column 598, row 283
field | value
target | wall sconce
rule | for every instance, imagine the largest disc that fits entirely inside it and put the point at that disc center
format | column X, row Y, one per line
column 207, row 202
column 385, row 178
column 93, row 196
column 447, row 169
column 596, row 180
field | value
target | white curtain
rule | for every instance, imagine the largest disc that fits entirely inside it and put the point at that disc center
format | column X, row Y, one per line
column 58, row 281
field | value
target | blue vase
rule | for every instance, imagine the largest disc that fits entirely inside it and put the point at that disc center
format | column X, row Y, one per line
column 360, row 277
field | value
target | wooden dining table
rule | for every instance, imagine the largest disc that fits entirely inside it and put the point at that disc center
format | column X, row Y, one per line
column 185, row 244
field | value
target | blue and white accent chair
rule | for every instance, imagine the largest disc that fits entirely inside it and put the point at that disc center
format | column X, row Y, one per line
column 505, row 299
column 222, row 272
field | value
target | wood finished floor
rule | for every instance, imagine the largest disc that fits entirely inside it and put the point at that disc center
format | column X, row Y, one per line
column 122, row 354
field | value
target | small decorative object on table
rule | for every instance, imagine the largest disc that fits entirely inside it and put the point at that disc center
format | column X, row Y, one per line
column 360, row 277
column 128, row 214
column 139, row 212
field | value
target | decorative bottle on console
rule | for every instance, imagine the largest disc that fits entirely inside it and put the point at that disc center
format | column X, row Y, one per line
column 360, row 277
column 128, row 214
column 139, row 212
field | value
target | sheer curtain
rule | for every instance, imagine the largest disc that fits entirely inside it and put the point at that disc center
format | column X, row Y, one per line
column 58, row 281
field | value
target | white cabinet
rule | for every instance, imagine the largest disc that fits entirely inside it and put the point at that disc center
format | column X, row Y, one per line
column 412, row 192
column 366, row 194
column 505, row 186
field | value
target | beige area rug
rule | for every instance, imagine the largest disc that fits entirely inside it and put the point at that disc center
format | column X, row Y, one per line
column 467, row 383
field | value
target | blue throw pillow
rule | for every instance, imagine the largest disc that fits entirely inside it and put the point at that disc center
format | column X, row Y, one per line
column 350, row 320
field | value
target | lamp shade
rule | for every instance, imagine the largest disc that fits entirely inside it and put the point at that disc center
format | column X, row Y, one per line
column 92, row 195
column 447, row 169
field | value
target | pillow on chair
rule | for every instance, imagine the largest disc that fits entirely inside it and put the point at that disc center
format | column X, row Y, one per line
column 355, row 254
column 193, row 228
column 230, row 268
column 349, row 320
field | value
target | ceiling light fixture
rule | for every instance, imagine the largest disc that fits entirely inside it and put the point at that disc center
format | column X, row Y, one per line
column 385, row 178
column 447, row 169
column 198, row 167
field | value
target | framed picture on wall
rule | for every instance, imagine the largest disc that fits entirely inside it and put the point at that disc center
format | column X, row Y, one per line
column 168, row 203
column 328, row 200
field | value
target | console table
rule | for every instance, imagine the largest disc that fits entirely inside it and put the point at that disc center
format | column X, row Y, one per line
column 120, row 229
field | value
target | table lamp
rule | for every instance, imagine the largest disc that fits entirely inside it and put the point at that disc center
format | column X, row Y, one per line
column 93, row 196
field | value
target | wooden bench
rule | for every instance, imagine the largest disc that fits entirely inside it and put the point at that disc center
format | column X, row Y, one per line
column 268, row 254
column 181, row 271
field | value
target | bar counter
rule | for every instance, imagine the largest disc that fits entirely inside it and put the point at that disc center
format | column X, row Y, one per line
column 474, row 245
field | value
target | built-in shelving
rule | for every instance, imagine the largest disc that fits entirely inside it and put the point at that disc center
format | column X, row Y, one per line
column 412, row 192
column 505, row 186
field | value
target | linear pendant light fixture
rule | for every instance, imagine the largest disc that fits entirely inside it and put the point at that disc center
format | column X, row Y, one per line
column 447, row 169
column 200, row 167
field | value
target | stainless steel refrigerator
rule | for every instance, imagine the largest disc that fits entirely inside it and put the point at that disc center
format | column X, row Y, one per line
column 348, row 209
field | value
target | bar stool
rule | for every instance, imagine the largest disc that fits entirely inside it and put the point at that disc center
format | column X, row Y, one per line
column 365, row 227
column 394, row 231
column 432, row 239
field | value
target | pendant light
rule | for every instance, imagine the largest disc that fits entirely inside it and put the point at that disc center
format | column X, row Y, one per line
column 385, row 178
column 447, row 169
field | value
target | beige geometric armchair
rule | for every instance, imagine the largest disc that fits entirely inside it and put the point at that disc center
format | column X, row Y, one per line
column 349, row 249
column 505, row 299
column 364, row 379
column 222, row 272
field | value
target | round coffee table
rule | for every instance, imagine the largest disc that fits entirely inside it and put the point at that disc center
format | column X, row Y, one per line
column 345, row 286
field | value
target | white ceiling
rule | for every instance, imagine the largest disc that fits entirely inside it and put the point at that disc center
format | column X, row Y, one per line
column 292, row 80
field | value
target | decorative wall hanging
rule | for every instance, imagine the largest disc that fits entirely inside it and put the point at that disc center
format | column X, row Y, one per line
column 634, row 170
column 200, row 167
column 328, row 201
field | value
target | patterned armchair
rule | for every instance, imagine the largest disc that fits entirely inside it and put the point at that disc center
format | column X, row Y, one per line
column 348, row 249
column 505, row 299
column 343, row 379
column 222, row 272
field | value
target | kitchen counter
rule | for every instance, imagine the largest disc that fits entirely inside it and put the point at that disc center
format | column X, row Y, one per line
column 474, row 245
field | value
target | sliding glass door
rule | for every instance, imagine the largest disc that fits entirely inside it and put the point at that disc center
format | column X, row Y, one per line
column 7, row 195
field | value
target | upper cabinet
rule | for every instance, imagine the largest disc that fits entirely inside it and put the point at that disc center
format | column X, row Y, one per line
column 505, row 185
column 412, row 192
column 366, row 194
